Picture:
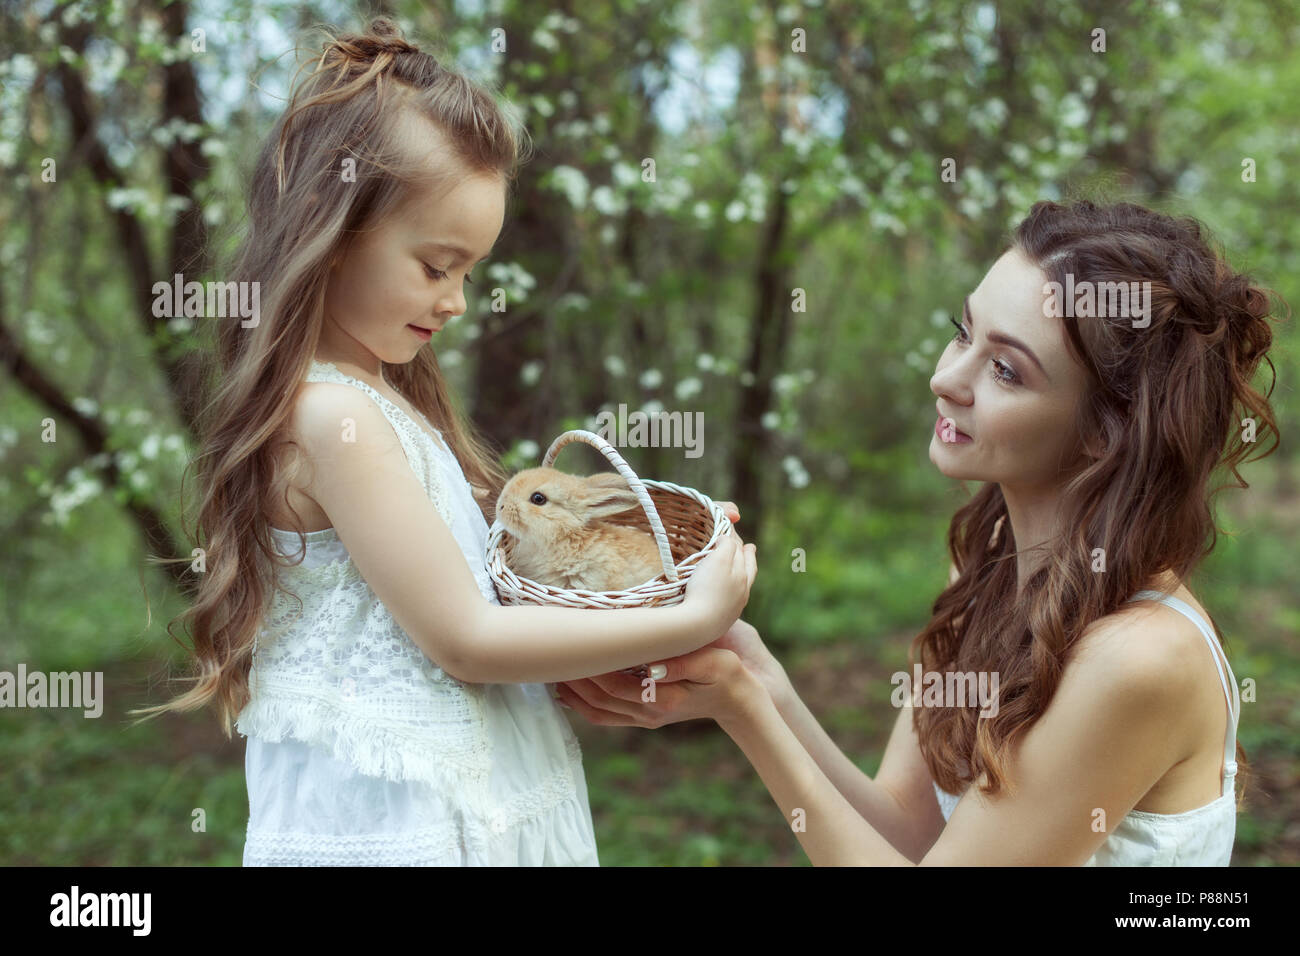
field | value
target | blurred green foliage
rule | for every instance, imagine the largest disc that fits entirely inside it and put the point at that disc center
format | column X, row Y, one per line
column 775, row 169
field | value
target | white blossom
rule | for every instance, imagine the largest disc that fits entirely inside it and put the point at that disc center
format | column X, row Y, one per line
column 572, row 183
column 607, row 202
column 688, row 388
column 795, row 471
column 126, row 198
column 531, row 372
column 514, row 278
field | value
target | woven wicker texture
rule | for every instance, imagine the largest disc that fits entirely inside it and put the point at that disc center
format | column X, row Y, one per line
column 685, row 523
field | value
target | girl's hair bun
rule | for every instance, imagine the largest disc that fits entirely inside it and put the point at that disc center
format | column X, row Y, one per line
column 383, row 36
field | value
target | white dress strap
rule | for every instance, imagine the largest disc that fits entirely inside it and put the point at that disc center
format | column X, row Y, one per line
column 1233, row 696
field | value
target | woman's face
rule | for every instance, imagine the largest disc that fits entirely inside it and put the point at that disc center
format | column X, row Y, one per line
column 1007, row 387
column 407, row 274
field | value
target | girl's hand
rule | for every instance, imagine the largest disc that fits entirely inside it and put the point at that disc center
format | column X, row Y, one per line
column 743, row 639
column 712, row 682
column 719, row 586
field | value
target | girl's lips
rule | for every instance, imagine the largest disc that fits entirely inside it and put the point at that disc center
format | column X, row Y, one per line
column 425, row 334
column 959, row 438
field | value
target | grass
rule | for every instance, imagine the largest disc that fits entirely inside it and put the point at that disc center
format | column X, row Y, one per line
column 99, row 792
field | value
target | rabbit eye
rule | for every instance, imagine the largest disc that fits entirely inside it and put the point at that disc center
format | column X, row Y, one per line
column 538, row 498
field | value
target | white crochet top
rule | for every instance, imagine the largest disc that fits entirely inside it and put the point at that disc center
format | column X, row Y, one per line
column 1199, row 837
column 363, row 750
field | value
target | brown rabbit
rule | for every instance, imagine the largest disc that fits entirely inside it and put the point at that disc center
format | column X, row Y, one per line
column 561, row 539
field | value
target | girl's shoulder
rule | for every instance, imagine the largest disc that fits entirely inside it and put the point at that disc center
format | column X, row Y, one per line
column 322, row 411
column 392, row 405
column 322, row 414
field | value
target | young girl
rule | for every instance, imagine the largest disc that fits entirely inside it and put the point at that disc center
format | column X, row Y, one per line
column 393, row 708
column 1095, row 437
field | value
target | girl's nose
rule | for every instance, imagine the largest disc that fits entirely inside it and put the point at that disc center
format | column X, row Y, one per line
column 451, row 304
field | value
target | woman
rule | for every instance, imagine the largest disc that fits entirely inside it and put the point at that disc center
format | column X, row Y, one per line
column 1094, row 422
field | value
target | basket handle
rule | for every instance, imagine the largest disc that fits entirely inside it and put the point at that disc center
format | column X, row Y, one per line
column 642, row 495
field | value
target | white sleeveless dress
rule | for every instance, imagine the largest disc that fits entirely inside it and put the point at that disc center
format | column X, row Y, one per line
column 1199, row 837
column 362, row 751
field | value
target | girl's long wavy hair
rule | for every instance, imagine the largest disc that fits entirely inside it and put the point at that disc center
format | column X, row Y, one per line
column 1165, row 407
column 302, row 213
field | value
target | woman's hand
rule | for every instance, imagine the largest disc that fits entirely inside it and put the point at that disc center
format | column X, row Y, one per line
column 712, row 682
column 719, row 586
column 616, row 698
column 743, row 640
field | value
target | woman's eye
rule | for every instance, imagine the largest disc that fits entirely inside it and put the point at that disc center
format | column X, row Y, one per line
column 1002, row 372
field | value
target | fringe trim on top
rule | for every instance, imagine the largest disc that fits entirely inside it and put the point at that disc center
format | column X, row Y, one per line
column 370, row 747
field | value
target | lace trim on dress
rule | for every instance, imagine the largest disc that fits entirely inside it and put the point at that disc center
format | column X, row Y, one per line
column 530, row 804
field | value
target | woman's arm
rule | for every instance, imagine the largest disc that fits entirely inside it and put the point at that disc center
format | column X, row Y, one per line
column 899, row 802
column 713, row 681
column 1114, row 727
column 831, row 829
column 409, row 557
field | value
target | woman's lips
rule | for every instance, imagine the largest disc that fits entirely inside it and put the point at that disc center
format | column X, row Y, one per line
column 425, row 334
column 959, row 438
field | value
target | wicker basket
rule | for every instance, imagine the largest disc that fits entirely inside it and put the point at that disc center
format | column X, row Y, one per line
column 685, row 524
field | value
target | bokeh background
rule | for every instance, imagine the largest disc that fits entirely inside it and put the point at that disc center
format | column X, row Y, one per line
column 796, row 146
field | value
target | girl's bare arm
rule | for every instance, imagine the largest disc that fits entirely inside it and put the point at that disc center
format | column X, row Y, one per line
column 409, row 557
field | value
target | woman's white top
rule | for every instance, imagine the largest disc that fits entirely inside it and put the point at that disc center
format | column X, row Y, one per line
column 361, row 750
column 1199, row 837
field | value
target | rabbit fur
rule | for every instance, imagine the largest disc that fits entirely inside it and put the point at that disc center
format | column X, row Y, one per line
column 561, row 539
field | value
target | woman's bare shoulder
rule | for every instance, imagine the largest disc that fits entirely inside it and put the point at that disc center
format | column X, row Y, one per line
column 1143, row 645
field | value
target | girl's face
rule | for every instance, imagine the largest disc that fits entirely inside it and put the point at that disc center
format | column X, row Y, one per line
column 1007, row 387
column 399, row 283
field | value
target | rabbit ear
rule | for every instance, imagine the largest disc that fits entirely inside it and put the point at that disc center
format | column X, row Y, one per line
column 606, row 479
column 605, row 494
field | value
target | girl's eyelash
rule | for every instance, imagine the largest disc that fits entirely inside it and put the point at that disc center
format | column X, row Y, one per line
column 440, row 275
column 1001, row 371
